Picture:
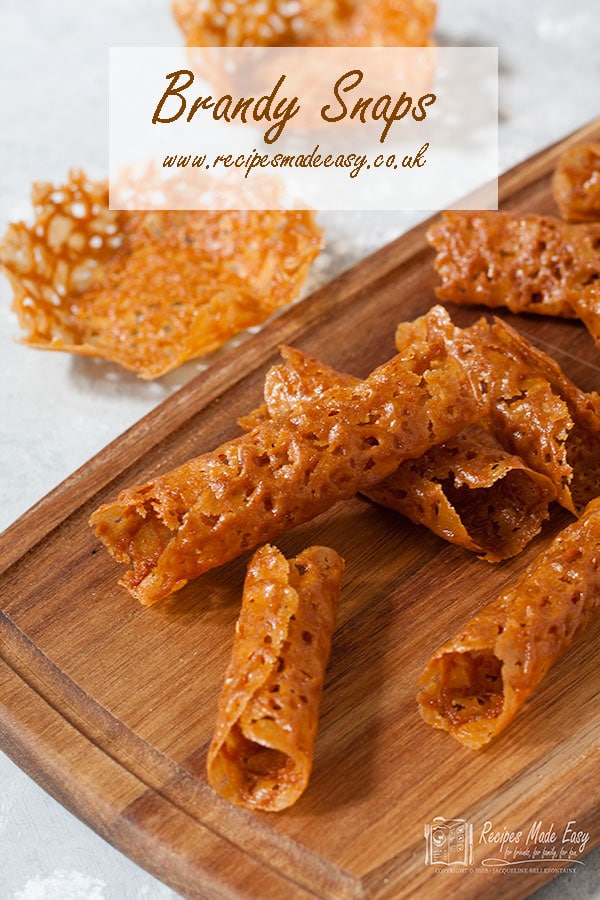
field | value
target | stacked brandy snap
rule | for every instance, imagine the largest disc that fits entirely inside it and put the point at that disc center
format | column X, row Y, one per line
column 472, row 432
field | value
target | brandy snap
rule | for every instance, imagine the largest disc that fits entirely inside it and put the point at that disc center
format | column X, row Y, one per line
column 527, row 264
column 262, row 749
column 149, row 289
column 576, row 183
column 474, row 685
column 534, row 410
column 289, row 469
column 468, row 491
column 316, row 23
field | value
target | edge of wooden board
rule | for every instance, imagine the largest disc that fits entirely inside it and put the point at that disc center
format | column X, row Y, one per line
column 150, row 829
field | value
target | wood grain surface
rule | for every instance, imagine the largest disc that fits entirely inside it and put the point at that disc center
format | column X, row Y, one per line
column 110, row 706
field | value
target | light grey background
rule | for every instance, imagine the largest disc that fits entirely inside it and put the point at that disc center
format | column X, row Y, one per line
column 56, row 411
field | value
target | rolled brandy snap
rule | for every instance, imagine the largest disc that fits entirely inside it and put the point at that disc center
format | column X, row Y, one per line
column 576, row 183
column 471, row 492
column 537, row 412
column 474, row 685
column 534, row 410
column 528, row 264
column 468, row 491
column 262, row 749
column 289, row 469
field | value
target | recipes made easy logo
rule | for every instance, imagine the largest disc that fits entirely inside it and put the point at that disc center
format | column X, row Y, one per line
column 449, row 842
column 455, row 845
column 542, row 842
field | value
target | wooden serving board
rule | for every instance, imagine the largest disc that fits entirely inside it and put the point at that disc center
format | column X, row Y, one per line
column 110, row 706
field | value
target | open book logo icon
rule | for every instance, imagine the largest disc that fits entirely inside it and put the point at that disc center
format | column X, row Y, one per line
column 448, row 842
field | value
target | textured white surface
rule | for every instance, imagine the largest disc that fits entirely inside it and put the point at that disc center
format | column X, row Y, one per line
column 56, row 411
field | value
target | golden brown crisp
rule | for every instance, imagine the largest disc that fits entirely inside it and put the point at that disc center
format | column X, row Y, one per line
column 540, row 414
column 474, row 685
column 531, row 264
column 149, row 290
column 289, row 469
column 468, row 491
column 471, row 492
column 262, row 749
column 535, row 411
column 576, row 183
column 587, row 306
column 320, row 23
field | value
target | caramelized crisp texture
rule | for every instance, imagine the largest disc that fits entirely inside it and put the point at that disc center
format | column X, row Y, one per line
column 469, row 491
column 535, row 411
column 576, row 183
column 563, row 421
column 262, row 749
column 149, row 290
column 587, row 306
column 317, row 23
column 289, row 469
column 474, row 685
column 473, row 493
column 531, row 264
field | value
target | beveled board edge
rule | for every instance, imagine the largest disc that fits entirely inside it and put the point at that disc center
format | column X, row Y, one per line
column 149, row 828
column 158, row 776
